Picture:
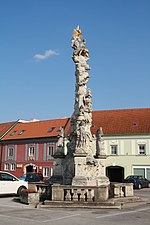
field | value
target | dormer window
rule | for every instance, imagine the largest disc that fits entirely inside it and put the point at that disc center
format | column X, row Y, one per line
column 51, row 129
column 60, row 129
column 13, row 133
column 21, row 132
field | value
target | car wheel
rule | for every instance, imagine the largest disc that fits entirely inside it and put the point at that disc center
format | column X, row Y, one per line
column 149, row 185
column 139, row 186
column 20, row 189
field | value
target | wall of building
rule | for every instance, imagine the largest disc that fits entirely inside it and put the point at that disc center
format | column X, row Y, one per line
column 128, row 155
column 17, row 163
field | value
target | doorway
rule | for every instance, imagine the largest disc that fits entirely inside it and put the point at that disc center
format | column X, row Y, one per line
column 31, row 168
column 115, row 173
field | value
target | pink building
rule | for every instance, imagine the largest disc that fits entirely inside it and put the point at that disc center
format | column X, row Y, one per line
column 29, row 146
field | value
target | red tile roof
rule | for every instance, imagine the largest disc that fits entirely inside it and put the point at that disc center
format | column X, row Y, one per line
column 4, row 127
column 113, row 122
column 36, row 129
column 120, row 122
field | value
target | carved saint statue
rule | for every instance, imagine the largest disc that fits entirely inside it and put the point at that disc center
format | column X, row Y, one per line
column 100, row 143
column 60, row 142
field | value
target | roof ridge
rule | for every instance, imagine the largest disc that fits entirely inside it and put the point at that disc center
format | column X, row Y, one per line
column 124, row 109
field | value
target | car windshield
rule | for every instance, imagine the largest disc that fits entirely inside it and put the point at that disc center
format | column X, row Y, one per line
column 134, row 177
column 7, row 177
column 34, row 177
column 22, row 177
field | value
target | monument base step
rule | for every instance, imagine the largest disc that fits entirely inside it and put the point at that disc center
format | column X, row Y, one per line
column 70, row 204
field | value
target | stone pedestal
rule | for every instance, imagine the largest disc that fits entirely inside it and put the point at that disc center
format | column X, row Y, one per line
column 102, row 181
column 80, row 177
column 57, row 193
column 29, row 198
column 90, row 171
column 101, row 193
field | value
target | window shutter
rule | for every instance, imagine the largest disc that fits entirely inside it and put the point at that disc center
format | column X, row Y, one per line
column 15, row 152
column 44, row 152
column 26, row 152
column 6, row 152
column 37, row 152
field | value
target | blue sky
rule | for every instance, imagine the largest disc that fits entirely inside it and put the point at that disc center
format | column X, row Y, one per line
column 37, row 74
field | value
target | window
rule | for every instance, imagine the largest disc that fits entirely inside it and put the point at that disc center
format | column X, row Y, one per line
column 142, row 149
column 21, row 132
column 7, row 177
column 148, row 173
column 113, row 149
column 50, row 150
column 13, row 133
column 31, row 153
column 60, row 129
column 12, row 166
column 142, row 171
column 10, row 152
column 47, row 171
column 51, row 129
column 6, row 166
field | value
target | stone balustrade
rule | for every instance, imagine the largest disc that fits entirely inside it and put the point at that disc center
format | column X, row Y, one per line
column 81, row 194
column 91, row 193
column 118, row 190
column 78, row 193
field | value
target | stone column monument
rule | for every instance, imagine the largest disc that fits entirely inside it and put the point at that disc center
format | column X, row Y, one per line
column 84, row 163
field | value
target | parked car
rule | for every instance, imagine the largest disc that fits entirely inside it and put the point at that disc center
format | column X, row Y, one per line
column 22, row 177
column 54, row 180
column 9, row 184
column 32, row 177
column 138, row 181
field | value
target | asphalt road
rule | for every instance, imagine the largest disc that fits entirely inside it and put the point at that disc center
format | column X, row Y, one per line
column 14, row 213
column 145, row 193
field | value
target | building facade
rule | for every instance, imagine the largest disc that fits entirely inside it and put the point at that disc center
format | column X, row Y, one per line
column 126, row 140
column 30, row 146
column 127, row 155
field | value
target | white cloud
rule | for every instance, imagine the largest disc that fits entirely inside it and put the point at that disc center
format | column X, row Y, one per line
column 47, row 54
